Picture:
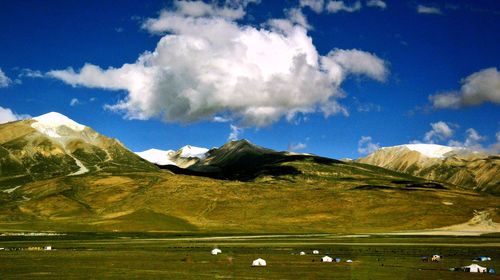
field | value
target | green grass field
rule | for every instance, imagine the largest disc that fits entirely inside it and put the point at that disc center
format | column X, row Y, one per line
column 158, row 256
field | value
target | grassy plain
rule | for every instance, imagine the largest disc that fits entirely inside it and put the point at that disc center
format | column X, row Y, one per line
column 160, row 256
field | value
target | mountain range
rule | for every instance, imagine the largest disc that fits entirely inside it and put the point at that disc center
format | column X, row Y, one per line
column 56, row 174
column 458, row 166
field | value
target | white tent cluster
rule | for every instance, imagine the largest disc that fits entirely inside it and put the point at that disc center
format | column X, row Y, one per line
column 475, row 268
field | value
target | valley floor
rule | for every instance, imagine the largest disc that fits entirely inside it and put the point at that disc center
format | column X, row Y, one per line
column 161, row 256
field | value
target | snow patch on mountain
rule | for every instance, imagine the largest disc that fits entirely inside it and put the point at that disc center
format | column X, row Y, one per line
column 193, row 152
column 83, row 169
column 49, row 124
column 170, row 157
column 157, row 156
column 428, row 150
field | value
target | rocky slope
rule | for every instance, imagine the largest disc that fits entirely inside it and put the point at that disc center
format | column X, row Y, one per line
column 461, row 167
column 52, row 145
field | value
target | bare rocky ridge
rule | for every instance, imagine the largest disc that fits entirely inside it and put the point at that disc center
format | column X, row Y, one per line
column 461, row 167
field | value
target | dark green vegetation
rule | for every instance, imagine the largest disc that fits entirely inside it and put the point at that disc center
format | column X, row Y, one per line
column 188, row 257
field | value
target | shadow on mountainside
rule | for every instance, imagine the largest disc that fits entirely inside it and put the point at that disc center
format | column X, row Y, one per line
column 250, row 166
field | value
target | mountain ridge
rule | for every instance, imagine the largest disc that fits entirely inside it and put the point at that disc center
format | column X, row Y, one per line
column 238, row 187
column 32, row 149
column 459, row 166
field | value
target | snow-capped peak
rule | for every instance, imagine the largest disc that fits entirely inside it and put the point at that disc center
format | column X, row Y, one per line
column 191, row 151
column 50, row 122
column 162, row 157
column 156, row 156
column 430, row 150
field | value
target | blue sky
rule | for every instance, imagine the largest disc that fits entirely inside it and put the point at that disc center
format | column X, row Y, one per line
column 374, row 73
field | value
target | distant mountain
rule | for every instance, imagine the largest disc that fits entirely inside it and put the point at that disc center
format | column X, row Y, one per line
column 184, row 157
column 53, row 145
column 462, row 167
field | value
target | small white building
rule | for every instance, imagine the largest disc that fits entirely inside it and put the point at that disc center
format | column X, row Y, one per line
column 315, row 252
column 216, row 251
column 348, row 261
column 259, row 262
column 302, row 253
column 47, row 248
column 475, row 268
column 326, row 259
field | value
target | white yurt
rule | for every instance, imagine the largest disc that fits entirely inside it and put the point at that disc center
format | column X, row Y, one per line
column 475, row 268
column 326, row 259
column 216, row 251
column 302, row 253
column 436, row 258
column 315, row 252
column 259, row 262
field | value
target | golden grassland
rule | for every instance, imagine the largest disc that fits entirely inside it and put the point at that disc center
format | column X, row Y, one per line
column 337, row 197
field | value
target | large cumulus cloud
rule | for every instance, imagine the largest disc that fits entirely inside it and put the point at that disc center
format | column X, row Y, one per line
column 206, row 65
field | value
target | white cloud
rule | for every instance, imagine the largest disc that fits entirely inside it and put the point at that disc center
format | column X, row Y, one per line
column 296, row 16
column 235, row 132
column 472, row 140
column 30, row 73
column 421, row 9
column 366, row 145
column 4, row 80
column 74, row 102
column 296, row 146
column 315, row 5
column 376, row 3
column 360, row 62
column 220, row 119
column 477, row 88
column 368, row 107
column 339, row 6
column 208, row 66
column 7, row 115
column 440, row 131
column 230, row 10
